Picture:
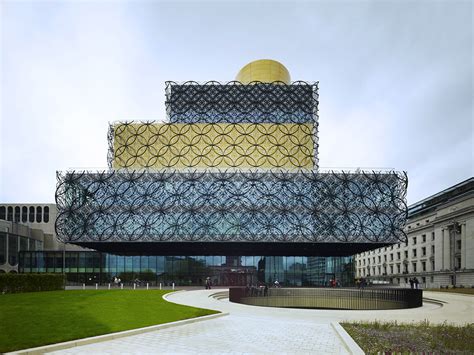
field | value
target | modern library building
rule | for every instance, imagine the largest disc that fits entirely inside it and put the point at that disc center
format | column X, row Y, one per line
column 228, row 188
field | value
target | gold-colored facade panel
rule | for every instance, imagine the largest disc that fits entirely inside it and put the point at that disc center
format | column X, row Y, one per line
column 264, row 70
column 222, row 145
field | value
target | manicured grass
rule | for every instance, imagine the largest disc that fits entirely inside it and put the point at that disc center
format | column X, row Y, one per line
column 465, row 291
column 390, row 337
column 39, row 318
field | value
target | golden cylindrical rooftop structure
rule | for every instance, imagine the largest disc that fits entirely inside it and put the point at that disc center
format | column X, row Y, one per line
column 264, row 70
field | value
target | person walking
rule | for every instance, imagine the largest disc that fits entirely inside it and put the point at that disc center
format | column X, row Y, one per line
column 208, row 283
column 416, row 282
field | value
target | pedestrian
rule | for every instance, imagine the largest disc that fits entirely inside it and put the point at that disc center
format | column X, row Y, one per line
column 412, row 283
column 208, row 283
column 416, row 282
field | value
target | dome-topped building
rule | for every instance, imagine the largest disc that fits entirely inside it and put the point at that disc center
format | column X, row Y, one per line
column 229, row 187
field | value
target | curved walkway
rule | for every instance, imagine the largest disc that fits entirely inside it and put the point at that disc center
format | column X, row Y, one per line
column 250, row 329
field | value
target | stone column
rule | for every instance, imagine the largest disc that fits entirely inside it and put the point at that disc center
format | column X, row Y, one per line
column 463, row 246
column 446, row 249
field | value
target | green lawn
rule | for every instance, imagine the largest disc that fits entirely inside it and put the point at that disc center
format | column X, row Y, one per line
column 465, row 291
column 421, row 338
column 40, row 318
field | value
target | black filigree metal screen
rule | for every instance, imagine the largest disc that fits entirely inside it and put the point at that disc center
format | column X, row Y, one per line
column 253, row 206
column 235, row 163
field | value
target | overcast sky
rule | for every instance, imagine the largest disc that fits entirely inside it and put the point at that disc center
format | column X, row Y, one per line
column 395, row 79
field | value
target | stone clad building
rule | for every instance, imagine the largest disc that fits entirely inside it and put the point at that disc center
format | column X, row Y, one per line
column 440, row 246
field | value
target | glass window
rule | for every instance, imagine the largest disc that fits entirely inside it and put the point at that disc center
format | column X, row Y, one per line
column 414, row 267
column 39, row 214
column 10, row 213
column 120, row 264
column 46, row 214
column 58, row 263
column 89, row 262
column 25, row 261
column 31, row 217
column 32, row 246
column 23, row 244
column 3, row 212
column 3, row 248
column 423, row 238
column 423, row 251
column 82, row 262
column 128, row 263
column 432, row 235
column 24, row 214
column 49, row 261
column 414, row 240
column 12, row 250
column 71, row 262
column 136, row 264
column 38, row 262
column 96, row 261
column 17, row 214
column 112, row 263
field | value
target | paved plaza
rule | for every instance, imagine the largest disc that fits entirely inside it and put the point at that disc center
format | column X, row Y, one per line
column 250, row 329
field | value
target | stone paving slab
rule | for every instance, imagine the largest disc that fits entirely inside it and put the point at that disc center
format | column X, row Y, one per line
column 455, row 309
column 242, row 332
column 251, row 330
column 226, row 335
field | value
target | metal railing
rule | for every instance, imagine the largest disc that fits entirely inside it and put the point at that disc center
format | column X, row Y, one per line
column 329, row 298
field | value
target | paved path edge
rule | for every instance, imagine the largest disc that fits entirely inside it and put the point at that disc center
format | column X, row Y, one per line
column 347, row 340
column 125, row 333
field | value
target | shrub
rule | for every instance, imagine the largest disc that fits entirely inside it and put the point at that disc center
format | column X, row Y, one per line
column 15, row 283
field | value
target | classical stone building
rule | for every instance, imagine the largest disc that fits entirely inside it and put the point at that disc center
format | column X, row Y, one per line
column 27, row 228
column 440, row 246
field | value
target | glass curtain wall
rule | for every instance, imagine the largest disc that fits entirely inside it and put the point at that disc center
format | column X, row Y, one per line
column 96, row 267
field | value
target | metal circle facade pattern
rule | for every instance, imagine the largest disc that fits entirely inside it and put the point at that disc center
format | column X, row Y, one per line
column 234, row 163
column 253, row 206
column 235, row 102
column 225, row 145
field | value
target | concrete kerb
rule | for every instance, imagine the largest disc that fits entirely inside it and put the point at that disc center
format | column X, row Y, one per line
column 351, row 346
column 122, row 334
column 434, row 301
